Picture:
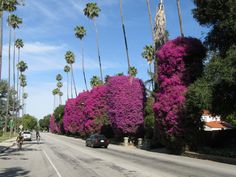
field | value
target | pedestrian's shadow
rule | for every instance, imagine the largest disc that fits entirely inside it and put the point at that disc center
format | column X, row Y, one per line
column 14, row 171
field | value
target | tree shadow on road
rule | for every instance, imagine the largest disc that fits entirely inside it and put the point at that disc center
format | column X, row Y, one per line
column 14, row 171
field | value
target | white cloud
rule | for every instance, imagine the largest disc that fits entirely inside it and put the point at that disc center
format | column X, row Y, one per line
column 38, row 47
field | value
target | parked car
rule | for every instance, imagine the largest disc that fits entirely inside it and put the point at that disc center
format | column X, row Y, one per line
column 97, row 140
column 27, row 135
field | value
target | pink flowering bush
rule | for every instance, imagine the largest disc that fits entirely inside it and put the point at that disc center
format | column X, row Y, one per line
column 95, row 110
column 54, row 126
column 125, row 99
column 87, row 113
column 74, row 117
column 180, row 62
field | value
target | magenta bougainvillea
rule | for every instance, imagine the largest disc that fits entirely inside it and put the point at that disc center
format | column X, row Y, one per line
column 180, row 62
column 87, row 113
column 125, row 98
column 54, row 127
column 74, row 118
column 96, row 110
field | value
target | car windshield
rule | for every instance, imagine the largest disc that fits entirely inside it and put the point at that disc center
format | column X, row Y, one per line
column 100, row 137
column 26, row 133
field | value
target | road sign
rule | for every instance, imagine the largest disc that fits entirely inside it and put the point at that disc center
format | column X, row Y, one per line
column 21, row 126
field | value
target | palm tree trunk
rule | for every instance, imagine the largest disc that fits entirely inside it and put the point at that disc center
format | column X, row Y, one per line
column 14, row 72
column 73, row 79
column 82, row 53
column 180, row 18
column 1, row 39
column 71, row 85
column 98, row 50
column 17, row 80
column 67, row 76
column 150, row 20
column 9, row 79
column 54, row 102
column 23, row 100
column 124, row 33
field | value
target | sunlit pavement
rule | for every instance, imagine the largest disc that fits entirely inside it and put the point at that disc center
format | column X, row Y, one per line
column 60, row 156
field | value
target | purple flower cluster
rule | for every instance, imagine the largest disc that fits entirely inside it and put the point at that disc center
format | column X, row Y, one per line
column 96, row 110
column 87, row 113
column 54, row 127
column 125, row 97
column 74, row 118
column 180, row 63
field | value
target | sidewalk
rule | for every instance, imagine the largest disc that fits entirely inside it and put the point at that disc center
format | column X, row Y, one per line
column 7, row 144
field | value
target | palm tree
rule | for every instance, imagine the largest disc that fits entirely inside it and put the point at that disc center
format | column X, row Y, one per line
column 25, row 96
column 23, row 84
column 180, row 18
column 60, row 95
column 14, row 22
column 67, row 70
column 21, row 66
column 91, row 11
column 80, row 32
column 95, row 81
column 70, row 59
column 58, row 77
column 18, row 44
column 125, row 38
column 149, row 54
column 59, row 86
column 132, row 71
column 10, row 6
column 54, row 93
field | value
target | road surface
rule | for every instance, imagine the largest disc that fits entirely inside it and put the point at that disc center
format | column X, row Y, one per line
column 60, row 156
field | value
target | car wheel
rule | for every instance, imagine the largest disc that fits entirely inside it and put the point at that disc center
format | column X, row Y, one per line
column 92, row 145
column 105, row 147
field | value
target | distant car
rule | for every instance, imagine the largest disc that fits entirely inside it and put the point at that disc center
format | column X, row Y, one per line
column 97, row 140
column 27, row 135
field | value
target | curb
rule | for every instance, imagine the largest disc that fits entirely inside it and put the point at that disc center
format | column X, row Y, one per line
column 221, row 159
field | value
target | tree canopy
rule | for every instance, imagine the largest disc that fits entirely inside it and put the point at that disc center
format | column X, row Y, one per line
column 220, row 17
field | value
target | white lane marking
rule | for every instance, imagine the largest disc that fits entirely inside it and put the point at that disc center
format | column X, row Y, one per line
column 58, row 174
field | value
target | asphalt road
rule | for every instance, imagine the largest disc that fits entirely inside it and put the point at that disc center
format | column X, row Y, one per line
column 60, row 156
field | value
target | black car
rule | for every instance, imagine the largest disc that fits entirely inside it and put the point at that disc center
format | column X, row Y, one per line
column 97, row 140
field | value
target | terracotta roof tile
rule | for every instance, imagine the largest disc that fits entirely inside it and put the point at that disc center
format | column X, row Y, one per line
column 217, row 124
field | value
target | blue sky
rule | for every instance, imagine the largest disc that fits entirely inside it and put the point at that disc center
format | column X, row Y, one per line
column 48, row 32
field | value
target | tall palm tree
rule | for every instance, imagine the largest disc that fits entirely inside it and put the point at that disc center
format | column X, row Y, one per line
column 58, row 77
column 10, row 6
column 132, row 71
column 23, row 84
column 54, row 93
column 125, row 38
column 25, row 96
column 59, row 86
column 70, row 59
column 60, row 95
column 80, row 32
column 180, row 18
column 14, row 21
column 18, row 44
column 149, row 54
column 21, row 66
column 92, row 11
column 95, row 81
column 67, row 70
